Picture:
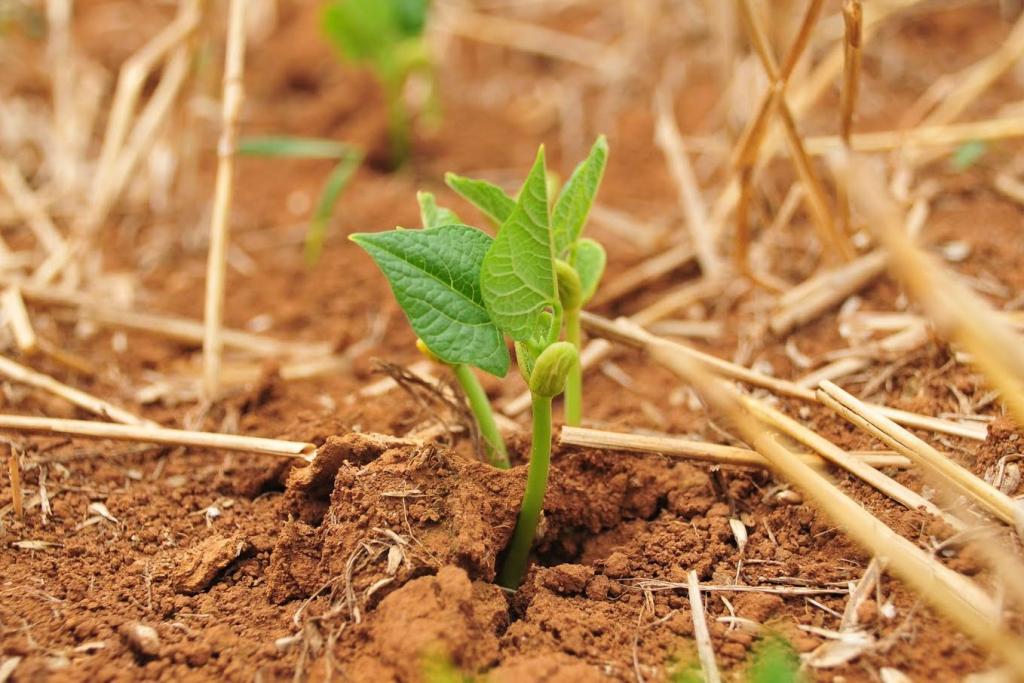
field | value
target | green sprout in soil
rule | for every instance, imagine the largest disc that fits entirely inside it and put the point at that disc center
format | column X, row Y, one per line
column 579, row 261
column 387, row 36
column 437, row 667
column 348, row 157
column 464, row 292
column 773, row 660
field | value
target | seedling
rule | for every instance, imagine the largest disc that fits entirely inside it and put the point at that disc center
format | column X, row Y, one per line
column 773, row 660
column 348, row 157
column 580, row 261
column 387, row 36
column 463, row 292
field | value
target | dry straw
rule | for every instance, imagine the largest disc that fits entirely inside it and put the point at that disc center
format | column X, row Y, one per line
column 19, row 373
column 810, row 90
column 956, row 312
column 705, row 651
column 912, row 337
column 167, row 326
column 853, row 19
column 841, row 458
column 614, row 330
column 816, row 200
column 123, row 142
column 947, row 135
column 988, row 497
column 668, row 138
column 953, row 595
column 14, row 470
column 702, row 451
column 158, row 435
column 216, row 264
column 746, row 156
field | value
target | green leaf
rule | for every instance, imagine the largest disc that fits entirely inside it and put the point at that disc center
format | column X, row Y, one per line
column 372, row 31
column 336, row 183
column 590, row 262
column 435, row 276
column 518, row 273
column 432, row 215
column 362, row 31
column 774, row 661
column 489, row 198
column 574, row 202
column 295, row 147
column 412, row 16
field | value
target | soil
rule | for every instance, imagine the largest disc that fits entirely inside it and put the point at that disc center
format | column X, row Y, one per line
column 202, row 565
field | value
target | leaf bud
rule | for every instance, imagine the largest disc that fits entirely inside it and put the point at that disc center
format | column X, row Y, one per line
column 551, row 369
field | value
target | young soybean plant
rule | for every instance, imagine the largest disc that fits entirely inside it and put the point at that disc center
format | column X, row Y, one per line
column 386, row 35
column 463, row 292
column 580, row 261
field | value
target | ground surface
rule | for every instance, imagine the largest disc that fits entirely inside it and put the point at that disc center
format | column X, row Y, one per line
column 243, row 578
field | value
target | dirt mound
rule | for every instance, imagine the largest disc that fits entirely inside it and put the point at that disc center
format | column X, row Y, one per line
column 445, row 616
column 408, row 512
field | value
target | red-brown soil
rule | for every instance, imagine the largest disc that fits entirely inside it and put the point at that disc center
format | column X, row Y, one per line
column 219, row 566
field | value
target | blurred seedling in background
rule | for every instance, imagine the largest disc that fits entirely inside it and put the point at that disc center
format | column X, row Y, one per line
column 967, row 155
column 464, row 292
column 348, row 157
column 386, row 36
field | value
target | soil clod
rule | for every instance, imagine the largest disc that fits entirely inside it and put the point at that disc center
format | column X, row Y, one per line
column 201, row 565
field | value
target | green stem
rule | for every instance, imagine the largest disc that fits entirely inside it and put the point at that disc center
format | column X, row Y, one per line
column 399, row 126
column 533, row 499
column 574, row 382
column 481, row 407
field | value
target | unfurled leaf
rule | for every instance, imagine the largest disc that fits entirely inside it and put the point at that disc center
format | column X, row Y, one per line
column 574, row 202
column 590, row 262
column 435, row 276
column 432, row 215
column 489, row 198
column 518, row 273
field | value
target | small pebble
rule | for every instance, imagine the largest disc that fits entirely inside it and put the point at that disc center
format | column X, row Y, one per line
column 142, row 639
